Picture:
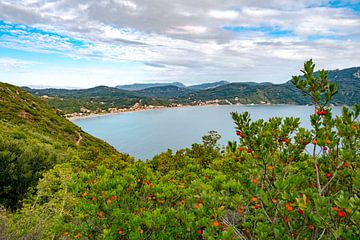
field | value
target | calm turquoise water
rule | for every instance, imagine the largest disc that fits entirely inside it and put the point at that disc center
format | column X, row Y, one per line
column 147, row 133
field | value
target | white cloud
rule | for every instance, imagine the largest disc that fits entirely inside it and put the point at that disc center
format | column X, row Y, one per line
column 228, row 14
column 187, row 29
column 188, row 37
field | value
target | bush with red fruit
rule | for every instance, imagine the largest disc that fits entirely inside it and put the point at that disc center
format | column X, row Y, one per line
column 281, row 187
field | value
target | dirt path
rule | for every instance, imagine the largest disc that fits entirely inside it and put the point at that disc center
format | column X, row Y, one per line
column 79, row 139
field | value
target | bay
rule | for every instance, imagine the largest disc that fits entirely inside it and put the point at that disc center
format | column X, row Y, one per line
column 144, row 134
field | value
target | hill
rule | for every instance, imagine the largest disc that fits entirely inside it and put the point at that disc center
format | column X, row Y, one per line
column 166, row 92
column 264, row 185
column 142, row 86
column 34, row 138
column 94, row 99
column 347, row 80
column 103, row 98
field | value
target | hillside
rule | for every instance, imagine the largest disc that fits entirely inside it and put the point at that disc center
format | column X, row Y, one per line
column 94, row 99
column 35, row 137
column 260, row 186
column 102, row 98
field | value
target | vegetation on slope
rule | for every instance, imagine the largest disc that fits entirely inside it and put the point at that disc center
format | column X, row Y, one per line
column 266, row 185
column 33, row 138
column 102, row 98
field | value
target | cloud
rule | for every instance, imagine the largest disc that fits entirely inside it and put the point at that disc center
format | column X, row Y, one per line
column 228, row 14
column 190, row 40
column 10, row 64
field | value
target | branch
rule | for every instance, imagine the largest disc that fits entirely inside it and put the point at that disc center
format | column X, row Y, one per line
column 267, row 215
column 330, row 180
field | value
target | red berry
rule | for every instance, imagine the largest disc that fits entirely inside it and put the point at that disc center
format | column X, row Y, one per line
column 241, row 149
column 249, row 150
column 328, row 175
column 240, row 134
column 257, row 206
column 200, row 232
column 341, row 214
column 301, row 212
column 236, row 159
column 346, row 165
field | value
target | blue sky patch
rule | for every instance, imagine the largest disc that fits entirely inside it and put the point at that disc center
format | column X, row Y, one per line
column 270, row 31
column 10, row 30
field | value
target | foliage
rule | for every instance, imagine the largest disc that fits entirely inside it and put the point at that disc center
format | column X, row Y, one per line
column 33, row 138
column 277, row 181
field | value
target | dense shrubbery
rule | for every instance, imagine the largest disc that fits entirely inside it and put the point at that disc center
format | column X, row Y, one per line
column 278, row 181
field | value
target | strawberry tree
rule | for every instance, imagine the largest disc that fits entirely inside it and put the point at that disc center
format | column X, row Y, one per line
column 291, row 193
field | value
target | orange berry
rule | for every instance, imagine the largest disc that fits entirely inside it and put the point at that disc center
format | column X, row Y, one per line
column 100, row 214
column 347, row 210
column 93, row 198
column 255, row 181
column 288, row 207
column 335, row 209
column 215, row 223
column 197, row 206
column 66, row 233
column 274, row 201
column 141, row 231
column 270, row 167
column 103, row 193
column 120, row 231
column 85, row 194
column 354, row 127
column 327, row 141
column 78, row 235
column 254, row 199
column 313, row 141
column 240, row 209
column 108, row 201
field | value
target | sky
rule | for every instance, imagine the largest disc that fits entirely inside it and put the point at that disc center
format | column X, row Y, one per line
column 86, row 43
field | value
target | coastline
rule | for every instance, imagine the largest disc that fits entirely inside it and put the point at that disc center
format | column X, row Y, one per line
column 95, row 115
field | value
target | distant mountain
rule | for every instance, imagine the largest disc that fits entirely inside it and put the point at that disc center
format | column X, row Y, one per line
column 165, row 92
column 204, row 86
column 102, row 98
column 94, row 99
column 142, row 86
column 347, row 80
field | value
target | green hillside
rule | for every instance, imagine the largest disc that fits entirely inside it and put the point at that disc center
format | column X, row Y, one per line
column 35, row 137
column 265, row 185
column 102, row 98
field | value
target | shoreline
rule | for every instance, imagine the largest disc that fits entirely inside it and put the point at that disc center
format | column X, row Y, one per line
column 95, row 115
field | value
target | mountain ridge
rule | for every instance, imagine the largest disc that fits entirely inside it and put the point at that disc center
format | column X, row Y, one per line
column 103, row 98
